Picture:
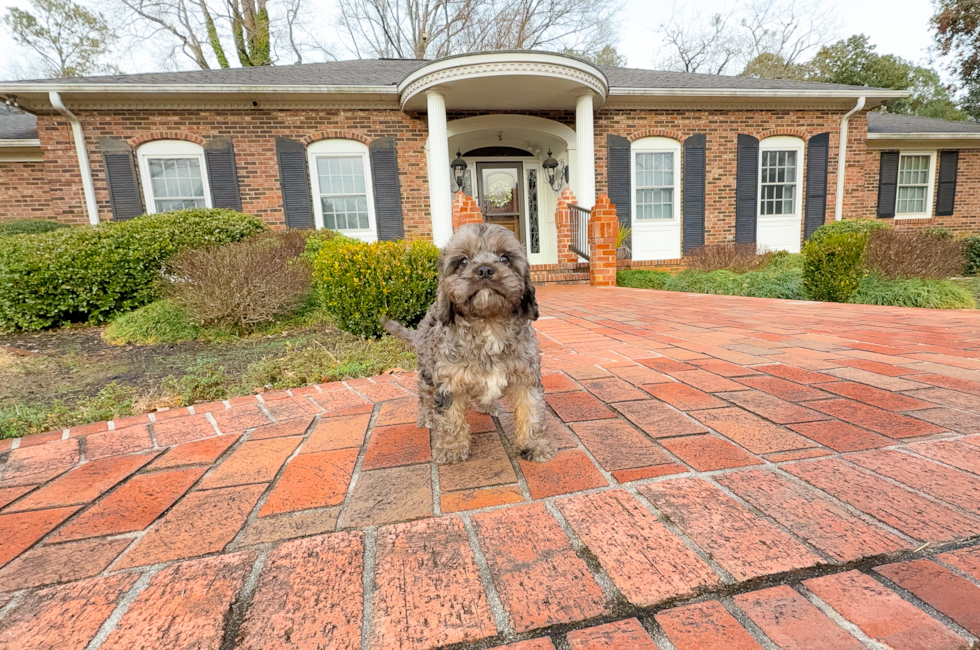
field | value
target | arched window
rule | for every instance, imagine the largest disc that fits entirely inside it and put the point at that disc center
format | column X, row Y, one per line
column 340, row 172
column 174, row 175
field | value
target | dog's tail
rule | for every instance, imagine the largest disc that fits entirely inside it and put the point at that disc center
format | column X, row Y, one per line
column 399, row 331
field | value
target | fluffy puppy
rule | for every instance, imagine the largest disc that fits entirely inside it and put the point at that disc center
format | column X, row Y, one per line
column 476, row 344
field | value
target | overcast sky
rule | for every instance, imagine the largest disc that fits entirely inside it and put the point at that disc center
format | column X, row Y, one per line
column 902, row 29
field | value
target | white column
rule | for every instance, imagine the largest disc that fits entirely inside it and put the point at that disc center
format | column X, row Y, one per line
column 440, row 197
column 585, row 143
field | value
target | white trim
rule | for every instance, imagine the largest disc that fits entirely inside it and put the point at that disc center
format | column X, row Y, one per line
column 656, row 239
column 343, row 148
column 169, row 149
column 931, row 188
column 924, row 136
column 782, row 143
column 497, row 64
column 200, row 88
column 756, row 92
column 19, row 143
column 505, row 121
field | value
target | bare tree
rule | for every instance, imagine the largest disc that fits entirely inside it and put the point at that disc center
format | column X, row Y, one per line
column 766, row 38
column 695, row 45
column 425, row 29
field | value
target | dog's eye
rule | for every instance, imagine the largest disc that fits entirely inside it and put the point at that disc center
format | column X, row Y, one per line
column 504, row 259
column 463, row 262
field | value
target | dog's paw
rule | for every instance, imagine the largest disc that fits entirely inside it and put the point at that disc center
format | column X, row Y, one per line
column 493, row 409
column 540, row 453
column 448, row 455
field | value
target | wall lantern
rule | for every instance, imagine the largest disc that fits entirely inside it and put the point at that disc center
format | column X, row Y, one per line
column 459, row 170
column 556, row 171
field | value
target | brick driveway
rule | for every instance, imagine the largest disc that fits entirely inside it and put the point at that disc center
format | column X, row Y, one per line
column 736, row 473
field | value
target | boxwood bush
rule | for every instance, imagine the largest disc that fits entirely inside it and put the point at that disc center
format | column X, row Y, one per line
column 358, row 283
column 91, row 273
column 28, row 226
column 972, row 253
column 833, row 259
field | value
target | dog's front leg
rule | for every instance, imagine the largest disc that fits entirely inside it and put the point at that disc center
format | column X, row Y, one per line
column 451, row 433
column 530, row 432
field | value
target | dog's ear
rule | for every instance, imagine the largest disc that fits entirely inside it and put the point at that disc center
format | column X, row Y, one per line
column 444, row 310
column 529, row 304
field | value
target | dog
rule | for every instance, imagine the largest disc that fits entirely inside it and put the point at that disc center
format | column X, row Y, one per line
column 476, row 344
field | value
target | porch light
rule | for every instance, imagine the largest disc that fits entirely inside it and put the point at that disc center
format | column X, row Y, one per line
column 556, row 171
column 459, row 170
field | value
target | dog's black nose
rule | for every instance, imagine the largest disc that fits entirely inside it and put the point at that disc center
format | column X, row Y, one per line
column 485, row 272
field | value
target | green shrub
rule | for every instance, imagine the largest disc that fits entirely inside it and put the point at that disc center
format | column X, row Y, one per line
column 92, row 273
column 359, row 283
column 640, row 279
column 932, row 294
column 972, row 253
column 833, row 259
column 776, row 283
column 157, row 322
column 28, row 226
column 858, row 226
column 720, row 282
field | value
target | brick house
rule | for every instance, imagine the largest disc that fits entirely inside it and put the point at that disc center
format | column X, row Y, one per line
column 377, row 148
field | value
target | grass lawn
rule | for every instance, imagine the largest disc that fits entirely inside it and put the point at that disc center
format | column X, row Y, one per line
column 69, row 376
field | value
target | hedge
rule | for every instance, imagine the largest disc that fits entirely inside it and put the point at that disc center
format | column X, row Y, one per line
column 10, row 227
column 91, row 273
column 358, row 283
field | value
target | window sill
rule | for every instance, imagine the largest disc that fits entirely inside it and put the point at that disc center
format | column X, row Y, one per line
column 898, row 217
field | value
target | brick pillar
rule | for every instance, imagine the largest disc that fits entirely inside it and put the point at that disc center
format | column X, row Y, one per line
column 465, row 210
column 564, row 227
column 603, row 230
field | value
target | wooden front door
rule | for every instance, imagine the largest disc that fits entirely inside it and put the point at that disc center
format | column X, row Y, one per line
column 500, row 187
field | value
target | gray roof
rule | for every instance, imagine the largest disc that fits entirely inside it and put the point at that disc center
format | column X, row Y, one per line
column 15, row 125
column 894, row 124
column 641, row 78
column 389, row 72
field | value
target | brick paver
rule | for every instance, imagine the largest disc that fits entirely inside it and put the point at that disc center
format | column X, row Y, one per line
column 882, row 614
column 833, row 437
column 325, row 570
column 540, row 579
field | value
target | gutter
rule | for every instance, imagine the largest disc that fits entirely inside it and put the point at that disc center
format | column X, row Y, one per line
column 931, row 135
column 20, row 143
column 87, row 185
column 842, row 159
column 198, row 88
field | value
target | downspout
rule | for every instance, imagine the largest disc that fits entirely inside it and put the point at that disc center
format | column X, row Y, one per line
column 842, row 159
column 87, row 185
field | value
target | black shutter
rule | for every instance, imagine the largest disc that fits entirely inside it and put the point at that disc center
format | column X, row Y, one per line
column 694, row 179
column 746, row 189
column 816, row 183
column 618, row 177
column 223, row 174
column 887, row 184
column 387, row 189
column 120, row 171
column 946, row 192
column 294, row 178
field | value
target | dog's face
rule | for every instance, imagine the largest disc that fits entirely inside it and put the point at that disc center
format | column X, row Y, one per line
column 484, row 273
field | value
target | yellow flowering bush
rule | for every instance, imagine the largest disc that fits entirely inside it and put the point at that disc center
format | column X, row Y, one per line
column 358, row 283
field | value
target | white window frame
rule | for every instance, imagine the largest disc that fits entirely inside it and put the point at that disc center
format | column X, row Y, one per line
column 340, row 148
column 783, row 143
column 656, row 144
column 169, row 149
column 930, row 196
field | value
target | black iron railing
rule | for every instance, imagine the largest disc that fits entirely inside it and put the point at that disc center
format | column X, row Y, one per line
column 579, row 222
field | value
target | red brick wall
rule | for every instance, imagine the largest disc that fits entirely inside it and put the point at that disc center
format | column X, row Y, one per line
column 966, row 209
column 253, row 133
column 722, row 129
column 24, row 191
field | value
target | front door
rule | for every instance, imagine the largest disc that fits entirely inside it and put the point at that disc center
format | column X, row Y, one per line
column 500, row 187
